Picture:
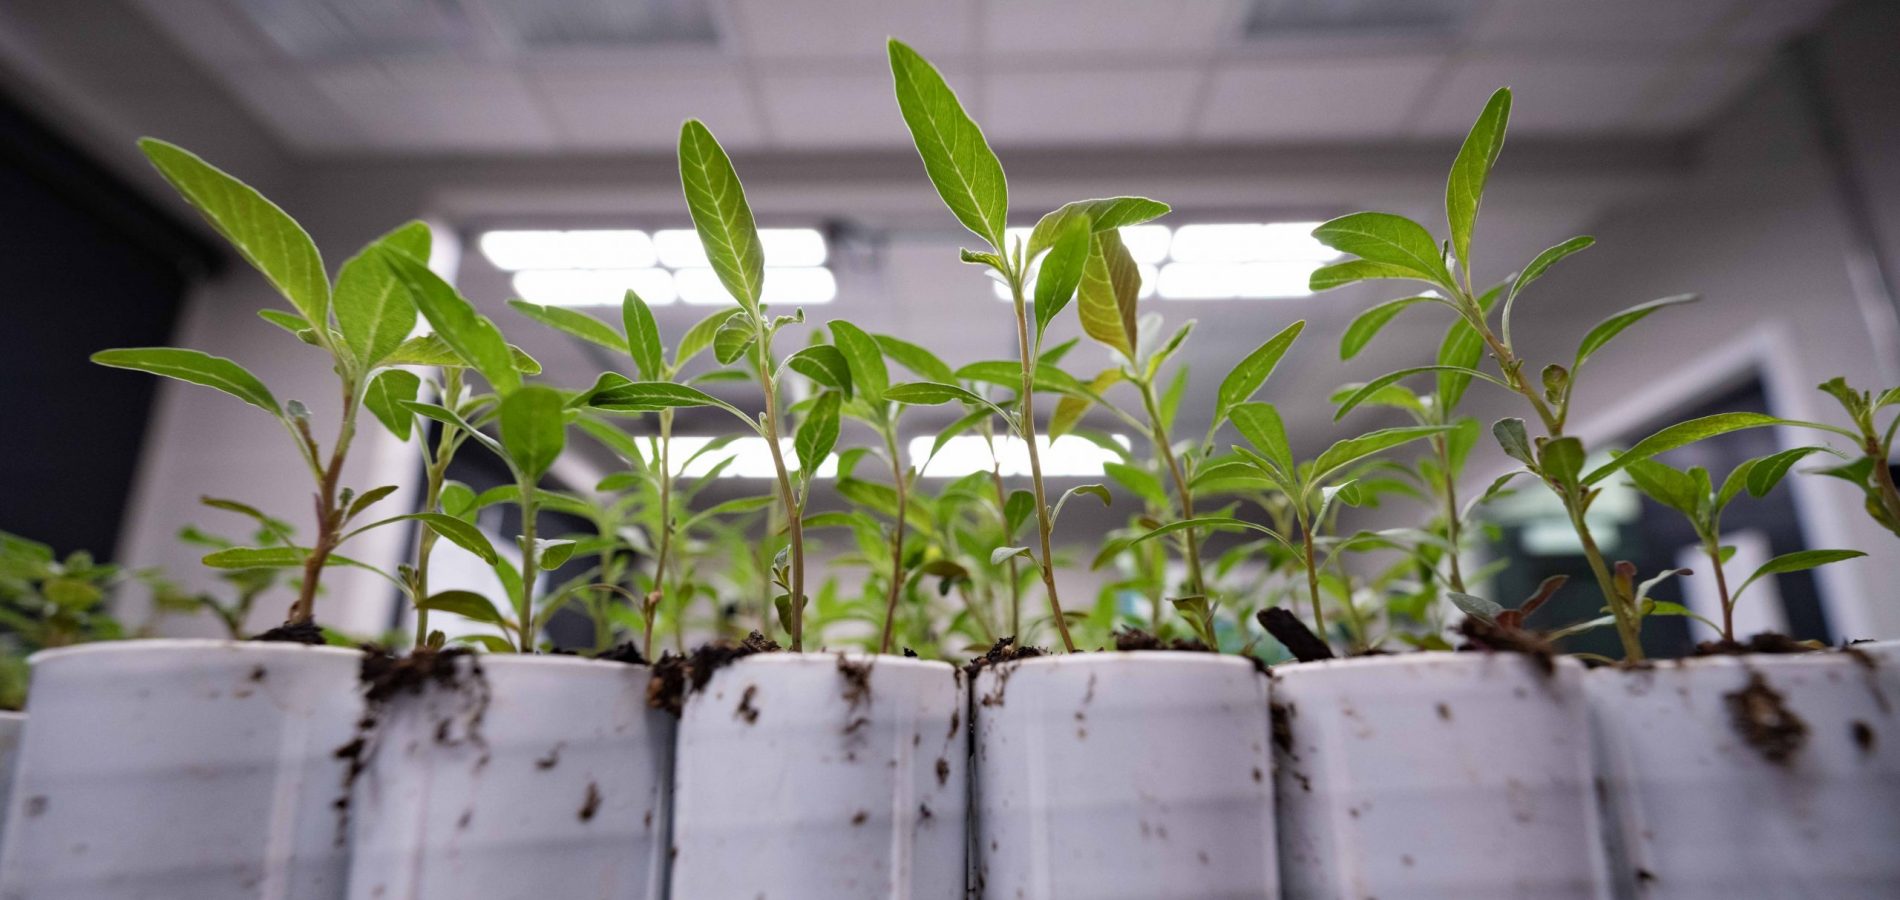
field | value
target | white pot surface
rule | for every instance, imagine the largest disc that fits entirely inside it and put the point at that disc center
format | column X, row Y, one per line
column 1810, row 807
column 12, row 732
column 1123, row 776
column 1436, row 776
column 799, row 780
column 182, row 769
column 542, row 776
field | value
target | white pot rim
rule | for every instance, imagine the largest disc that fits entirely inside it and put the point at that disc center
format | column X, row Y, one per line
column 177, row 646
column 1440, row 658
column 1143, row 658
column 1811, row 659
column 12, row 715
column 493, row 661
column 831, row 657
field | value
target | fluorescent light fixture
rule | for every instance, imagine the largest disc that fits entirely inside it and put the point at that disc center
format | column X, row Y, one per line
column 751, row 458
column 1218, row 261
column 809, row 286
column 514, row 251
column 1147, row 243
column 1248, row 242
column 1230, row 280
column 1068, row 456
column 679, row 248
column 593, row 287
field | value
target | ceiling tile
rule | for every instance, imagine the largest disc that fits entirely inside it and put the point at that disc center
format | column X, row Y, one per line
column 830, row 110
column 1604, row 22
column 1313, row 100
column 1107, row 106
column 1698, row 90
column 1551, row 96
column 440, row 106
column 610, row 106
column 286, row 102
column 1762, row 23
column 853, row 29
column 1088, row 27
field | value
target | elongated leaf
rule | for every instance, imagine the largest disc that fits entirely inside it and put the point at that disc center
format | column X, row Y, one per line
column 956, row 156
column 1682, row 434
column 373, row 311
column 431, row 350
column 1768, row 471
column 1366, row 325
column 869, row 377
column 1094, row 490
column 1105, row 298
column 1071, row 408
column 195, row 367
column 823, row 364
column 998, row 555
column 1009, row 374
column 1388, row 240
column 641, row 396
column 1138, row 481
column 1061, row 272
column 1225, row 523
column 734, row 337
column 1103, row 214
column 368, row 498
column 1260, row 425
column 1798, row 561
column 266, row 236
column 1351, row 450
column 462, row 533
column 643, row 336
column 1609, row 328
column 257, row 557
column 915, row 358
column 578, row 324
column 1017, row 508
column 1474, row 606
column 470, row 334
column 1353, row 271
column 467, row 604
column 1229, row 477
column 700, row 336
column 1247, row 378
column 1458, row 356
column 448, row 417
column 818, row 433
column 1465, row 189
column 1542, row 264
column 1371, row 388
column 1561, row 460
column 1514, row 439
column 291, row 322
column 384, row 398
column 533, row 428
column 929, row 393
column 718, row 205
column 1667, row 485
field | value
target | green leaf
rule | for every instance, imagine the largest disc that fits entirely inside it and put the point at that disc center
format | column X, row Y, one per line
column 1561, row 460
column 1389, row 240
column 823, row 364
column 1105, row 298
column 533, row 428
column 644, row 396
column 700, row 336
column 643, row 336
column 1800, row 560
column 1682, row 434
column 578, row 324
column 195, row 367
column 1766, row 472
column 869, row 377
column 1540, row 265
column 431, row 350
column 1353, row 271
column 929, row 393
column 470, row 334
column 365, row 500
column 373, row 311
column 384, row 398
column 1071, row 408
column 1103, row 214
column 258, row 558
column 1371, row 388
column 459, row 531
column 1221, row 522
column 1140, row 482
column 1017, row 508
column 734, row 337
column 1094, row 490
column 467, row 604
column 917, row 359
column 1458, row 357
column 1479, row 608
column 1247, row 378
column 290, row 322
column 1061, row 272
column 553, row 553
column 1260, row 425
column 1002, row 553
column 266, row 236
column 1514, row 439
column 1229, row 478
column 1609, row 328
column 818, row 433
column 1351, row 450
column 448, row 417
column 957, row 158
column 1465, row 189
column 1367, row 324
column 717, row 202
column 1667, row 485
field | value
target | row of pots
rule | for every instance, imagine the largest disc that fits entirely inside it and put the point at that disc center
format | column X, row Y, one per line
column 230, row 771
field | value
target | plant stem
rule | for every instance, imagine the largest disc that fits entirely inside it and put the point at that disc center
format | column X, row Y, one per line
column 655, row 596
column 793, row 524
column 1197, row 585
column 1883, row 476
column 437, row 473
column 329, row 518
column 1622, row 608
column 901, row 481
column 1027, row 427
column 530, row 564
column 1312, row 580
column 1714, row 551
column 1453, row 527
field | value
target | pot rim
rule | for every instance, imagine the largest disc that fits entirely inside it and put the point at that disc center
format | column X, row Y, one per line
column 1146, row 658
column 166, row 646
column 1653, row 668
column 489, row 661
column 1443, row 658
column 830, row 658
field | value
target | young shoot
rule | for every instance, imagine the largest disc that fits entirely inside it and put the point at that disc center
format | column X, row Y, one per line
column 1873, row 472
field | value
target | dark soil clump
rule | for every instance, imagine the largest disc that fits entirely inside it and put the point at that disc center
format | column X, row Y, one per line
column 1136, row 640
column 1767, row 642
column 857, row 681
column 1482, row 635
column 675, row 676
column 385, row 676
column 1004, row 650
column 1763, row 719
column 626, row 652
column 306, row 632
column 1293, row 634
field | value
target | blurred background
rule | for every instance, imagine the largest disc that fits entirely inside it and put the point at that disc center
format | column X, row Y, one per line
column 1745, row 150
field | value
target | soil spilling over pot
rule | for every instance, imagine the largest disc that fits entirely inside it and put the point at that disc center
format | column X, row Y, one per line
column 1004, row 650
column 1293, row 634
column 626, row 652
column 1482, row 635
column 1766, row 642
column 305, row 632
column 384, row 677
column 1136, row 640
column 675, row 676
column 1763, row 719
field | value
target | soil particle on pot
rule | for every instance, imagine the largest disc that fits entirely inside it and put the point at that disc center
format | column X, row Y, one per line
column 1863, row 735
column 35, row 806
column 1761, row 716
column 552, row 759
column 1444, row 712
column 909, row 653
column 857, row 681
column 307, row 632
column 468, row 815
column 1258, row 776
column 1482, row 635
column 1135, row 640
column 1282, row 716
column 1293, row 634
column 591, row 805
column 675, row 676
column 860, row 817
column 1645, row 876
column 384, row 677
column 943, row 771
column 258, row 674
column 923, row 812
column 625, row 652
column 1768, row 642
column 746, row 710
column 1004, row 650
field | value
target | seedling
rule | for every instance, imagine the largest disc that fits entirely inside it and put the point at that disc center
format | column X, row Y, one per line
column 1873, row 472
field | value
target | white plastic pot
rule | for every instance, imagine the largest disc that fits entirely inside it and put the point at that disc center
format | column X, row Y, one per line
column 814, row 776
column 182, row 768
column 1436, row 775
column 1809, row 806
column 1123, row 776
column 534, row 776
column 12, row 731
